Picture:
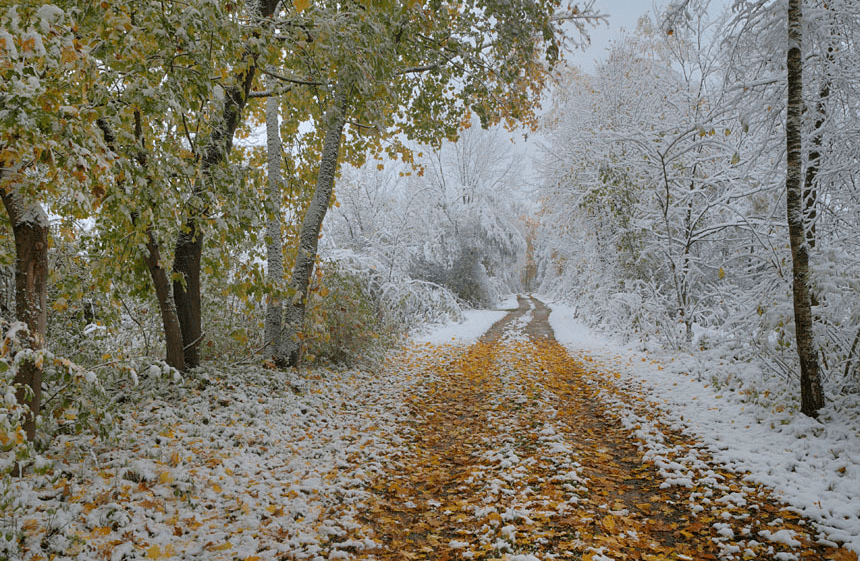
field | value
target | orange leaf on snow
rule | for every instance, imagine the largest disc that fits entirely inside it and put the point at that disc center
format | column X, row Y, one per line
column 101, row 531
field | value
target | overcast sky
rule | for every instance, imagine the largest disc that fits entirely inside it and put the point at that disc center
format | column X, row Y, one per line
column 623, row 14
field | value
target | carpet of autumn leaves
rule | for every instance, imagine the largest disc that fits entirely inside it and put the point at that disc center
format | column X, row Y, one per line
column 510, row 451
column 510, row 448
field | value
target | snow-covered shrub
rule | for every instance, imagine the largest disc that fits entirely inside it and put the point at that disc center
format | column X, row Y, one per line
column 72, row 398
column 407, row 303
column 75, row 399
column 15, row 350
column 465, row 276
column 411, row 303
column 345, row 322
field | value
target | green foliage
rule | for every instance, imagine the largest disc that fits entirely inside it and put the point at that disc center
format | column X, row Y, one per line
column 345, row 323
column 109, row 112
column 73, row 398
column 47, row 140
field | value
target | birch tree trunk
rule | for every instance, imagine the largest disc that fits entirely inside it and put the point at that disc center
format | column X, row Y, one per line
column 274, row 248
column 30, row 229
column 812, row 396
column 310, row 231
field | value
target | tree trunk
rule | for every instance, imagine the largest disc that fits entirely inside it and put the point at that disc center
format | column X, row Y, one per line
column 152, row 258
column 30, row 228
column 170, row 321
column 186, row 291
column 274, row 249
column 311, row 226
column 189, row 243
column 811, row 394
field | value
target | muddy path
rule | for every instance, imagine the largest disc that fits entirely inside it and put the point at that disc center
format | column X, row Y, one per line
column 511, row 451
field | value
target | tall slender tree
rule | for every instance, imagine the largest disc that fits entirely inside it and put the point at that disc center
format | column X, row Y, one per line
column 335, row 120
column 274, row 244
column 811, row 393
column 412, row 71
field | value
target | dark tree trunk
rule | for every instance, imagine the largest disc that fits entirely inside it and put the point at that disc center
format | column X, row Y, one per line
column 189, row 243
column 172, row 332
column 186, row 292
column 812, row 396
column 152, row 258
column 30, row 229
column 309, row 235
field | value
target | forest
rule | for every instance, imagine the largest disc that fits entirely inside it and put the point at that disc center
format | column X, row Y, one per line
column 248, row 213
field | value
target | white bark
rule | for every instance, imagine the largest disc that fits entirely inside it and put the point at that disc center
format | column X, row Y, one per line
column 274, row 250
column 311, row 225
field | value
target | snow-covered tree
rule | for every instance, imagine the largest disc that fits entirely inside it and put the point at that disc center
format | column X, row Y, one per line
column 452, row 222
column 673, row 160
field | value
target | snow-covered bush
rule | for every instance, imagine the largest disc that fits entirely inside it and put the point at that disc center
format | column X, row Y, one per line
column 345, row 322
column 72, row 398
column 412, row 303
column 75, row 399
column 401, row 303
column 465, row 276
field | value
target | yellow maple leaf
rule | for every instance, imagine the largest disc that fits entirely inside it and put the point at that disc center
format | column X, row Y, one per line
column 608, row 523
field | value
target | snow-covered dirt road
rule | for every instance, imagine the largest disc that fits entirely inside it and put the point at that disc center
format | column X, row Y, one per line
column 512, row 450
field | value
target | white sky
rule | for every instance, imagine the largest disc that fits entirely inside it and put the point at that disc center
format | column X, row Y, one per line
column 623, row 14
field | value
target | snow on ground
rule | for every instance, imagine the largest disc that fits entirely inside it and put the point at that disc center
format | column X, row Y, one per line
column 813, row 466
column 227, row 463
column 241, row 463
column 248, row 463
column 477, row 323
